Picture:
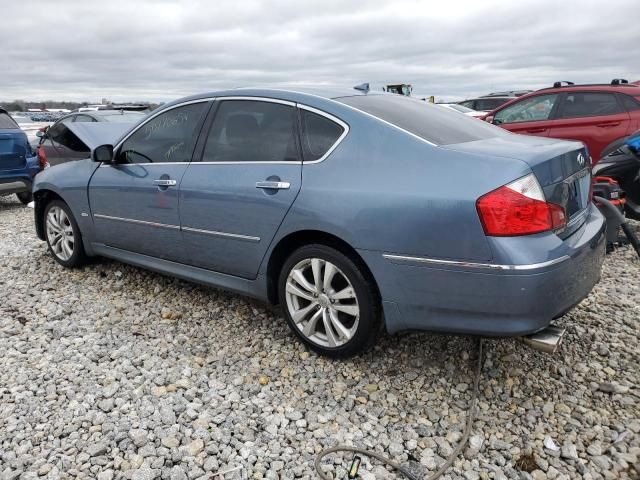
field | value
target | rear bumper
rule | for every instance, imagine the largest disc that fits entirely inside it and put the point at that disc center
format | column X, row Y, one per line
column 489, row 299
column 14, row 185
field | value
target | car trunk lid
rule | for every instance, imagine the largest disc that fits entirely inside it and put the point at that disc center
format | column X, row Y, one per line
column 562, row 169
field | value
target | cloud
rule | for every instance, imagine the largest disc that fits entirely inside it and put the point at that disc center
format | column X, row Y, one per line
column 159, row 50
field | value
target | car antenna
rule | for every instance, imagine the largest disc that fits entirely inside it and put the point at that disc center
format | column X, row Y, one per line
column 363, row 87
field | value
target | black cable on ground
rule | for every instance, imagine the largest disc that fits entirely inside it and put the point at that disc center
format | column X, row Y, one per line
column 471, row 413
column 626, row 228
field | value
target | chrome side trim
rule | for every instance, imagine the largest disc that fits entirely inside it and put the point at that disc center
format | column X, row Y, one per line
column 138, row 222
column 235, row 236
column 489, row 266
column 256, row 162
column 147, row 120
column 149, row 164
column 257, row 99
column 344, row 125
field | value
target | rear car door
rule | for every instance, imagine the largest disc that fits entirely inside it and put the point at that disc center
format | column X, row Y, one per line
column 134, row 201
column 595, row 118
column 529, row 116
column 235, row 198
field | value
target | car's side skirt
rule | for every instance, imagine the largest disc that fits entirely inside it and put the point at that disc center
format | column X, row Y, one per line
column 253, row 288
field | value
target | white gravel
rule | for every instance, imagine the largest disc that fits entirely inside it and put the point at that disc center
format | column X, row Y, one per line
column 114, row 372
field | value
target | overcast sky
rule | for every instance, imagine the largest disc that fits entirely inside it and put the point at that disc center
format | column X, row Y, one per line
column 160, row 50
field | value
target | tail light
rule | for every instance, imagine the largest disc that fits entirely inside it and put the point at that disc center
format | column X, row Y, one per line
column 519, row 208
column 42, row 157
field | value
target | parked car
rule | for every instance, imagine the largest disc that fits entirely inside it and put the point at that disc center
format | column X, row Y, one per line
column 18, row 164
column 31, row 128
column 601, row 115
column 486, row 104
column 58, row 144
column 461, row 109
column 348, row 209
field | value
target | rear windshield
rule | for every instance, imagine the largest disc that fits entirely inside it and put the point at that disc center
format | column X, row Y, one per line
column 434, row 124
column 6, row 121
column 124, row 117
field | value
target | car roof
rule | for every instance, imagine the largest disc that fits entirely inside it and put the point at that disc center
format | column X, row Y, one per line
column 295, row 93
column 110, row 112
column 629, row 89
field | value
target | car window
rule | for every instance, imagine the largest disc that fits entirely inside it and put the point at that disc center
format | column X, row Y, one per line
column 169, row 137
column 487, row 104
column 468, row 104
column 527, row 110
column 425, row 120
column 589, row 104
column 319, row 134
column 6, row 121
column 249, row 131
column 630, row 103
column 124, row 117
column 84, row 119
column 60, row 134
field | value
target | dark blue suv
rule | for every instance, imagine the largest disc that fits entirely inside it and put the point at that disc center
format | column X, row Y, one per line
column 18, row 163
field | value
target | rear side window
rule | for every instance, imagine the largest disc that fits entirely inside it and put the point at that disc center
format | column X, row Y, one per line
column 589, row 104
column 630, row 103
column 61, row 135
column 319, row 134
column 169, row 137
column 252, row 131
column 6, row 121
column 429, row 122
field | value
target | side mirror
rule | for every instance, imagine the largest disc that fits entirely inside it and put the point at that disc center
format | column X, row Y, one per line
column 40, row 133
column 489, row 119
column 103, row 153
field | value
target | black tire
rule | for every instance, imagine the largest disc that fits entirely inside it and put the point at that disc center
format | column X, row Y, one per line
column 366, row 330
column 25, row 197
column 78, row 256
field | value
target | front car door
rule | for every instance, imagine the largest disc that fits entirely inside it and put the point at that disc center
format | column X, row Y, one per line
column 530, row 116
column 235, row 198
column 134, row 201
column 595, row 118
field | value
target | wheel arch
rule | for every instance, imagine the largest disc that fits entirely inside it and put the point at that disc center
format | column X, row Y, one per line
column 294, row 240
column 41, row 199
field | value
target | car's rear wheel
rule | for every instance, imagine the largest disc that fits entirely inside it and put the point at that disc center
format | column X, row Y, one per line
column 63, row 235
column 329, row 301
column 25, row 197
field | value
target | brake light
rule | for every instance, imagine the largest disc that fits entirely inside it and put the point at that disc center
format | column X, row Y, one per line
column 42, row 157
column 519, row 208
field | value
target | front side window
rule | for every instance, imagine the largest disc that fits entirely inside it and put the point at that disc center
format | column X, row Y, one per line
column 169, row 137
column 319, row 134
column 250, row 131
column 529, row 110
column 6, row 121
column 589, row 104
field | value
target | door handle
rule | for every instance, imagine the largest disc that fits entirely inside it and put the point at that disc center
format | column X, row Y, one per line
column 165, row 182
column 609, row 124
column 273, row 185
column 536, row 130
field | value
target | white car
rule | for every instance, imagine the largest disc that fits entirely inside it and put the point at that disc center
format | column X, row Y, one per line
column 463, row 110
column 30, row 127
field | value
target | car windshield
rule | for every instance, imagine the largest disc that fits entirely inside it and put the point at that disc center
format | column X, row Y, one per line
column 439, row 126
column 123, row 117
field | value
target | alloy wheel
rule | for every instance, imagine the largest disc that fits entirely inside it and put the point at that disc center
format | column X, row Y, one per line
column 322, row 302
column 60, row 233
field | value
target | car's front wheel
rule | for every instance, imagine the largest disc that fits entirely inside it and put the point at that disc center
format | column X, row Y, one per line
column 329, row 301
column 63, row 235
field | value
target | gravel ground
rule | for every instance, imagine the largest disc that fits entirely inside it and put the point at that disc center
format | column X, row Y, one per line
column 114, row 372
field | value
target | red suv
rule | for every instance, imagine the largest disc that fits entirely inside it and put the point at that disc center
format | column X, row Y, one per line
column 601, row 116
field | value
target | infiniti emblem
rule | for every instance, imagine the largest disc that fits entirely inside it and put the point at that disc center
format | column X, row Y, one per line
column 580, row 159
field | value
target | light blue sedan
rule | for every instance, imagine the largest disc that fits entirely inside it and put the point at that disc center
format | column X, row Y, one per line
column 351, row 209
